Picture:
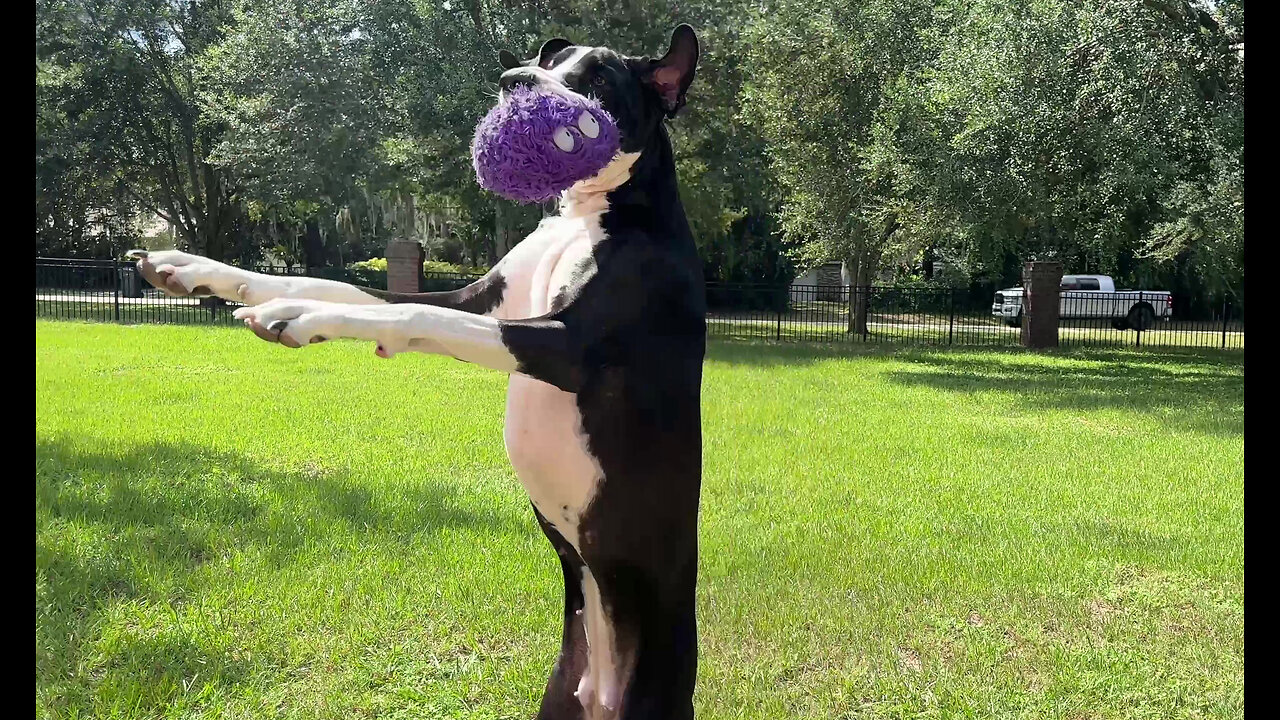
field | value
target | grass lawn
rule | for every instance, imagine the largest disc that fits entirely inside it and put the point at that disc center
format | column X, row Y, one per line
column 227, row 528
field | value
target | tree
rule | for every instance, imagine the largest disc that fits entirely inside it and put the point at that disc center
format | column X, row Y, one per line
column 81, row 210
column 1201, row 217
column 884, row 133
column 1108, row 135
column 308, row 118
column 818, row 93
column 1090, row 133
column 127, row 80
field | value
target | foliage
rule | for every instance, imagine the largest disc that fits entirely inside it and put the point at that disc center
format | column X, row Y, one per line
column 822, row 84
column 886, row 133
column 431, row 266
column 1078, row 137
column 1099, row 134
column 373, row 273
column 123, row 80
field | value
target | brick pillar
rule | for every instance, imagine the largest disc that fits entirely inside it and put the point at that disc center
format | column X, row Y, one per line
column 1041, row 283
column 404, row 266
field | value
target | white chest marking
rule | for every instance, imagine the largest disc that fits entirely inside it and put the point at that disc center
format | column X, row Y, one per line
column 543, row 433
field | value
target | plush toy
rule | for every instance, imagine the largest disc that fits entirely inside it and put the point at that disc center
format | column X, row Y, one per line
column 535, row 144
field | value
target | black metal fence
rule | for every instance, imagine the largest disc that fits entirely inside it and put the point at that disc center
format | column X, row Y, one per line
column 817, row 313
column 113, row 291
column 1142, row 318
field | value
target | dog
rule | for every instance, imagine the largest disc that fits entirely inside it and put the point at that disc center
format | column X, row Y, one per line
column 599, row 318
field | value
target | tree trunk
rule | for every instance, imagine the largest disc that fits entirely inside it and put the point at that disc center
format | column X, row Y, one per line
column 857, row 294
column 312, row 245
column 502, row 234
column 862, row 270
column 862, row 267
column 864, row 296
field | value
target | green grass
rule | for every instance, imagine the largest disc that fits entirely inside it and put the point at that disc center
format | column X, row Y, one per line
column 226, row 528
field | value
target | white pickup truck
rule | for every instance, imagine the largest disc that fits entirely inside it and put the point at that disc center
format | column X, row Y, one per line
column 1094, row 296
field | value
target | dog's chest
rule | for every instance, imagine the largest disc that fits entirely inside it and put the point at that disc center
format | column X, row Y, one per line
column 543, row 433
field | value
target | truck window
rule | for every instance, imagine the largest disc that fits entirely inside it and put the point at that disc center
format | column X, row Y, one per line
column 1070, row 283
column 1089, row 284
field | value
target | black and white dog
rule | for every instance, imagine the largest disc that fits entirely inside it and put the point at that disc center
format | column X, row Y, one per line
column 598, row 316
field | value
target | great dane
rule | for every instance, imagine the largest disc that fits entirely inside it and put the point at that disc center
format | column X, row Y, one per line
column 598, row 317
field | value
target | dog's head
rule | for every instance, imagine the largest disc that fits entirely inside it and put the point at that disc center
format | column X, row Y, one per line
column 637, row 91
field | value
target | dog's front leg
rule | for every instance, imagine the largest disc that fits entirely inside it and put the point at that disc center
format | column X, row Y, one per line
column 181, row 274
column 539, row 348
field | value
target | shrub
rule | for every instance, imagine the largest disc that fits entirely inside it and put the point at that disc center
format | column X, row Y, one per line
column 378, row 264
column 373, row 273
column 369, row 273
column 439, row 266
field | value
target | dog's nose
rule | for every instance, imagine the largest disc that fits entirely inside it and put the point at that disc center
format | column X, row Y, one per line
column 518, row 77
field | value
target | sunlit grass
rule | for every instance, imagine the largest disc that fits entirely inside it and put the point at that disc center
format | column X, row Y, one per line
column 227, row 528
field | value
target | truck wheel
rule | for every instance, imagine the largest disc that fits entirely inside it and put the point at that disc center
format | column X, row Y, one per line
column 1120, row 323
column 1141, row 317
column 1014, row 322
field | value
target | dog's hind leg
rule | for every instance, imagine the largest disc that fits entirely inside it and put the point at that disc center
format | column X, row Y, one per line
column 560, row 700
column 642, row 644
column 662, row 679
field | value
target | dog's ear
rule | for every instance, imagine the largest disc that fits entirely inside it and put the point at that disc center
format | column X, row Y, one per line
column 549, row 49
column 507, row 60
column 671, row 75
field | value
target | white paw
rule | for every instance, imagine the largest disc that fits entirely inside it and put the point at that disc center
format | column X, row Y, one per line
column 183, row 274
column 295, row 323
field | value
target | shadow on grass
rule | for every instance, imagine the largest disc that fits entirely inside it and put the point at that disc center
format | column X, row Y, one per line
column 185, row 485
column 1207, row 384
column 139, row 525
column 770, row 353
column 1191, row 391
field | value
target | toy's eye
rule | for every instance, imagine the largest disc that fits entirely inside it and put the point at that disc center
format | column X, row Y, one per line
column 588, row 125
column 563, row 139
column 598, row 80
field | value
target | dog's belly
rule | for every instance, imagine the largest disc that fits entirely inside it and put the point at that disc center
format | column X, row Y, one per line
column 543, row 432
column 549, row 452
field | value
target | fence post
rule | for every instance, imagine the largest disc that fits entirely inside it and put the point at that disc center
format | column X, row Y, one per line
column 777, row 332
column 115, row 285
column 1226, row 313
column 951, row 323
column 1042, row 282
column 404, row 266
column 1140, row 316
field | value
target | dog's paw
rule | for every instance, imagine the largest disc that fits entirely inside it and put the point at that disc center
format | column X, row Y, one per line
column 295, row 323
column 182, row 274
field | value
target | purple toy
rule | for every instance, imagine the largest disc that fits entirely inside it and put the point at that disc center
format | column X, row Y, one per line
column 535, row 144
